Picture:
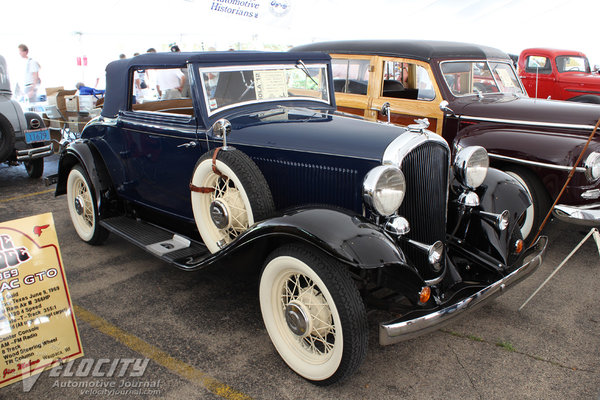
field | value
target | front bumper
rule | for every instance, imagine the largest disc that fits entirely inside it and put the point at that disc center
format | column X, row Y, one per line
column 582, row 215
column 400, row 330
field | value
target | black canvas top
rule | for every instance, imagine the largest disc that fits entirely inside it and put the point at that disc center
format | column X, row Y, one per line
column 117, row 72
column 423, row 50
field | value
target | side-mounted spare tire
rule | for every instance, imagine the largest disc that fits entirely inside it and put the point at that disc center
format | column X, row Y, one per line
column 229, row 194
column 7, row 138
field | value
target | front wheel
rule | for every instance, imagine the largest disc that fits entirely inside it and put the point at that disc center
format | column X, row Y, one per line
column 313, row 313
column 82, row 207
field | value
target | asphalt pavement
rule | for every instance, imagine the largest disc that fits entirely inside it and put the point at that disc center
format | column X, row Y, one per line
column 202, row 336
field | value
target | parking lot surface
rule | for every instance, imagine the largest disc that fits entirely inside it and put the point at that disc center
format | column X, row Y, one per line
column 203, row 337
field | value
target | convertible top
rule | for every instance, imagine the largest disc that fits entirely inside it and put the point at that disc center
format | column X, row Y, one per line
column 423, row 50
column 117, row 72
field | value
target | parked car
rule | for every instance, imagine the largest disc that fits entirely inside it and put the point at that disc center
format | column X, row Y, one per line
column 559, row 75
column 341, row 213
column 23, row 136
column 471, row 95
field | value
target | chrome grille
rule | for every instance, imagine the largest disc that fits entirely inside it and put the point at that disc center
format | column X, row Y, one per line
column 426, row 171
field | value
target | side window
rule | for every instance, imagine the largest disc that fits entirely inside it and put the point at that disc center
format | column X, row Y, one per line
column 538, row 64
column 402, row 80
column 164, row 90
column 350, row 76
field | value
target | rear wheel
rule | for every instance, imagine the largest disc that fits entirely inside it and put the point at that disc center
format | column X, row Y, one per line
column 313, row 313
column 82, row 207
column 536, row 212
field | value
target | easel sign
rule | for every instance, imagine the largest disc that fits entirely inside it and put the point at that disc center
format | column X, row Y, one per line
column 37, row 325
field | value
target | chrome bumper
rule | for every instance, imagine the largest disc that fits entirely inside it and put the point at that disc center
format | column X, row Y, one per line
column 33, row 153
column 581, row 215
column 400, row 330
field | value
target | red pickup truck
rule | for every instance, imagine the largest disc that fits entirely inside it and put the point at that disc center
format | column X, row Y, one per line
column 559, row 75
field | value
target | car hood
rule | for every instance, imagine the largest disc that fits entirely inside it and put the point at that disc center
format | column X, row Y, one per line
column 581, row 78
column 525, row 109
column 314, row 131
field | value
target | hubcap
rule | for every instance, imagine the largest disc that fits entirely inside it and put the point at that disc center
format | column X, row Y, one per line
column 297, row 319
column 79, row 205
column 219, row 214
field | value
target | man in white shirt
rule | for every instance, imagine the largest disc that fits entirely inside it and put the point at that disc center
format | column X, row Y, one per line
column 169, row 83
column 32, row 78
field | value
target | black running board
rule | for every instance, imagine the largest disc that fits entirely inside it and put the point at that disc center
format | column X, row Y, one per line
column 170, row 247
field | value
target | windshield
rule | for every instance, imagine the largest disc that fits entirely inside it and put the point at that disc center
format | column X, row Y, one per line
column 226, row 87
column 471, row 77
column 572, row 63
column 4, row 84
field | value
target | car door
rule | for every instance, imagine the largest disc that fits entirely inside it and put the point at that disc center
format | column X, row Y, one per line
column 352, row 78
column 409, row 87
column 160, row 149
column 538, row 77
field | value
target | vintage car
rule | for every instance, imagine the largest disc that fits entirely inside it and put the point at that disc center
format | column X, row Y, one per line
column 343, row 214
column 23, row 136
column 471, row 95
column 559, row 75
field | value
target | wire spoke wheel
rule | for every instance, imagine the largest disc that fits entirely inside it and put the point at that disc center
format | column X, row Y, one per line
column 234, row 195
column 82, row 208
column 313, row 313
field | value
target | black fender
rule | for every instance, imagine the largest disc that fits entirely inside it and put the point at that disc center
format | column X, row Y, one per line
column 347, row 237
column 498, row 192
column 82, row 152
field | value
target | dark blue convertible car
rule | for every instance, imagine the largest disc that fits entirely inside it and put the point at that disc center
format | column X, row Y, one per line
column 344, row 214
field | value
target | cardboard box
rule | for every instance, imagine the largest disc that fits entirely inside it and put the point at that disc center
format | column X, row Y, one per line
column 72, row 103
column 56, row 97
column 76, row 124
column 87, row 102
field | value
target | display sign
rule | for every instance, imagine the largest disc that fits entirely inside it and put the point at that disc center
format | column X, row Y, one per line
column 37, row 325
column 270, row 84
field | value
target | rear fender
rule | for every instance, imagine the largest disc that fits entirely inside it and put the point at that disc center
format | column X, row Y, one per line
column 82, row 152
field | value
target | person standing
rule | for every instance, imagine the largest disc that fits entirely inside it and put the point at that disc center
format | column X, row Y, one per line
column 32, row 75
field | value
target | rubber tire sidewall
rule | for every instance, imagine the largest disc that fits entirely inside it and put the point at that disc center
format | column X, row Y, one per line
column 7, row 139
column 344, row 301
column 539, row 197
column 96, row 234
column 247, row 179
column 35, row 168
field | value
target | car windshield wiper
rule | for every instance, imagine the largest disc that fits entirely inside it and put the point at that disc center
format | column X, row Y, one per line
column 302, row 67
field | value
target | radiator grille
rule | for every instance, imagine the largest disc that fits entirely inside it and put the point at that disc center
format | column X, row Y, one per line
column 426, row 171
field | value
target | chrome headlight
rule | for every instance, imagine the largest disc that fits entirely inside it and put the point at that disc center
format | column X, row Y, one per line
column 592, row 166
column 383, row 189
column 471, row 165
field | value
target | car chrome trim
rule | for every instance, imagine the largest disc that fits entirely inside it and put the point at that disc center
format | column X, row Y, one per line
column 407, row 142
column 537, row 164
column 592, row 158
column 588, row 215
column 591, row 194
column 164, row 127
column 34, row 153
column 533, row 123
column 397, row 331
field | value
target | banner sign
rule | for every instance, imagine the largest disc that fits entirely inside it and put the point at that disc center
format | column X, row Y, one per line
column 264, row 10
column 37, row 325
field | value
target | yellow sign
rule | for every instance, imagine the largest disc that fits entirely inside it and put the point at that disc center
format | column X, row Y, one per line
column 37, row 325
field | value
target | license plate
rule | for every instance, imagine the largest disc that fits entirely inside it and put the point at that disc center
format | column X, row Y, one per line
column 40, row 135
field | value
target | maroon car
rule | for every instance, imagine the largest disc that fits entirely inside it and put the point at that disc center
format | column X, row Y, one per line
column 471, row 95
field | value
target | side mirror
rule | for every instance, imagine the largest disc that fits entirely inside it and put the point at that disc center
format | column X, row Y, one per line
column 385, row 111
column 221, row 129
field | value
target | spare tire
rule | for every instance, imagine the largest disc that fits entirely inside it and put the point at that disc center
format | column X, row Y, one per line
column 7, row 139
column 229, row 194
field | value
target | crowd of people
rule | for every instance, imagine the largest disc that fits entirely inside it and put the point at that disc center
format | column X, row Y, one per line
column 158, row 84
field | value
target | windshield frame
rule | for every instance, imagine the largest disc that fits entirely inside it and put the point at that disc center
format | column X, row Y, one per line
column 487, row 62
column 254, row 67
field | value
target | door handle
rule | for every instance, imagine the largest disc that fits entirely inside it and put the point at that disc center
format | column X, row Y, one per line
column 188, row 144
